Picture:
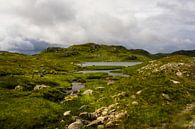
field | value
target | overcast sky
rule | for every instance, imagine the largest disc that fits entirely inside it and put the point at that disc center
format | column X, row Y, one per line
column 154, row 25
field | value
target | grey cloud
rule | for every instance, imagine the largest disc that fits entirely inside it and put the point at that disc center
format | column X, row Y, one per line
column 45, row 12
column 154, row 25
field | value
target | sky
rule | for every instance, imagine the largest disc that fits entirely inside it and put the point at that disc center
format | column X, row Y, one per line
column 153, row 25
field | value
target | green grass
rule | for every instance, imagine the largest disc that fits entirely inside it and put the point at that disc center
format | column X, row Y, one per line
column 57, row 68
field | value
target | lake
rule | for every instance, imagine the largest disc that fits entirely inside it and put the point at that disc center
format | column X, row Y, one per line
column 110, row 72
column 125, row 64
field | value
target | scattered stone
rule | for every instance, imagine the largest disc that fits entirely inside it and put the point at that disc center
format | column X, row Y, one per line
column 67, row 113
column 100, row 127
column 179, row 74
column 101, row 118
column 121, row 115
column 135, row 103
column 76, row 125
column 74, row 118
column 70, row 98
column 99, row 111
column 175, row 82
column 88, row 116
column 120, row 95
column 166, row 96
column 139, row 92
column 39, row 87
column 86, row 122
column 62, row 121
column 105, row 112
column 111, row 111
column 111, row 124
column 100, row 88
column 133, row 96
column 88, row 92
column 20, row 88
column 94, row 123
column 83, row 107
column 112, row 106
column 110, row 82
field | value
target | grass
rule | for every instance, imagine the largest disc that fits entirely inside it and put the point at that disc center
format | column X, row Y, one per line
column 57, row 68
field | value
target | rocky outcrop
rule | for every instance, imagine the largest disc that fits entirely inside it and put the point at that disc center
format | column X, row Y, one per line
column 102, row 117
column 179, row 69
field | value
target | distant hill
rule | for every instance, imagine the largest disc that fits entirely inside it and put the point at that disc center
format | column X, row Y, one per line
column 185, row 52
column 97, row 52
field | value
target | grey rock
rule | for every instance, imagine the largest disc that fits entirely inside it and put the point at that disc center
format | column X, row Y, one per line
column 76, row 125
column 39, row 87
column 20, row 88
column 88, row 116
column 94, row 123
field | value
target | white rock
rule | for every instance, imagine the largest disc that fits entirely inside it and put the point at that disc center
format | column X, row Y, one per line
column 133, row 96
column 88, row 92
column 166, row 96
column 19, row 88
column 135, row 103
column 67, row 113
column 175, row 82
column 139, row 92
column 39, row 87
column 179, row 74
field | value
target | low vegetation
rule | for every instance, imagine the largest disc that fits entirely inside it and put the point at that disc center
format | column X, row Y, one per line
column 36, row 91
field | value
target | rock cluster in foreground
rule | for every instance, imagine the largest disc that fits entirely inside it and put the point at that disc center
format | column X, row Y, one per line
column 102, row 117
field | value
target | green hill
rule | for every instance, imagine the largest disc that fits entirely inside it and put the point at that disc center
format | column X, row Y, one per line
column 157, row 94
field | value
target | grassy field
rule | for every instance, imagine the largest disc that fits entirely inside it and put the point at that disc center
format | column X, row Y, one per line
column 157, row 94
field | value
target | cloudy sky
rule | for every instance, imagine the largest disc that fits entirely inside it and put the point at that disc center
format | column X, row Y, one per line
column 154, row 25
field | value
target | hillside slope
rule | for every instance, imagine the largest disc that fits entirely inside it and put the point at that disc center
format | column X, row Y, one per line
column 35, row 91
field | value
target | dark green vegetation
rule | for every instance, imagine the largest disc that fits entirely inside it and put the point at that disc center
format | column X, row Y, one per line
column 157, row 94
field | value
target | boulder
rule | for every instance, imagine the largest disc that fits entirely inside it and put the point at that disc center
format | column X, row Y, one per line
column 76, row 125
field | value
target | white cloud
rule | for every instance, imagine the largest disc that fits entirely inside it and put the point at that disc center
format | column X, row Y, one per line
column 155, row 25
